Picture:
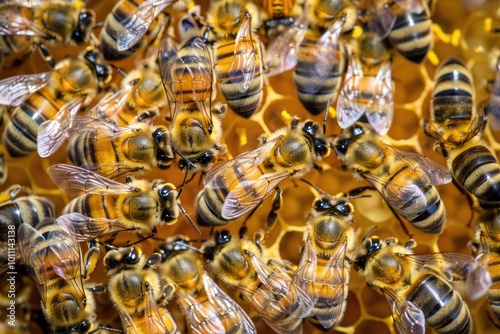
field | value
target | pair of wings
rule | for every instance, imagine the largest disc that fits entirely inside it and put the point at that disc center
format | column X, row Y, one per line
column 280, row 294
column 52, row 247
column 332, row 282
column 353, row 101
column 494, row 100
column 281, row 54
column 151, row 322
column 426, row 169
column 239, row 200
column 203, row 319
column 463, row 271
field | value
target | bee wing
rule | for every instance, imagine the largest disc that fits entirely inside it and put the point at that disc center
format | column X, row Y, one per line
column 348, row 111
column 128, row 324
column 53, row 132
column 326, row 57
column 494, row 101
column 281, row 295
column 152, row 315
column 467, row 273
column 33, row 256
column 281, row 53
column 200, row 319
column 137, row 23
column 28, row 3
column 225, row 305
column 14, row 90
column 242, row 69
column 407, row 317
column 14, row 23
column 87, row 228
column 240, row 200
column 383, row 21
column 330, row 294
column 426, row 168
column 75, row 181
column 381, row 111
column 109, row 106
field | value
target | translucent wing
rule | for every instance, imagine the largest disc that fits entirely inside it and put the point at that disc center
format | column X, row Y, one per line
column 407, row 317
column 28, row 3
column 152, row 315
column 75, row 181
column 87, row 228
column 380, row 109
column 53, row 132
column 426, row 168
column 324, row 284
column 278, row 296
column 135, row 26
column 281, row 53
column 383, row 20
column 226, row 307
column 348, row 112
column 14, row 90
column 327, row 55
column 14, row 23
column 201, row 319
column 128, row 324
column 242, row 69
column 109, row 106
column 494, row 100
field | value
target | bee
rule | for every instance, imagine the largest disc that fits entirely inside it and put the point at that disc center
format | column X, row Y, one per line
column 53, row 259
column 418, row 288
column 39, row 97
column 406, row 23
column 277, row 300
column 319, row 68
column 53, row 23
column 238, row 186
column 323, row 13
column 486, row 243
column 456, row 125
column 134, row 288
column 196, row 128
column 492, row 107
column 104, row 206
column 207, row 308
column 131, row 25
column 278, row 14
column 406, row 180
column 367, row 90
column 323, row 271
column 106, row 148
column 238, row 54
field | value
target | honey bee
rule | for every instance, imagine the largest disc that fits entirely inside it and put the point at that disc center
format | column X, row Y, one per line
column 419, row 288
column 111, row 206
column 492, row 107
column 108, row 149
column 406, row 23
column 53, row 259
column 323, row 271
column 134, row 288
column 406, row 180
column 367, row 90
column 277, row 300
column 196, row 128
column 278, row 14
column 131, row 25
column 320, row 63
column 207, row 308
column 238, row 54
column 53, row 23
column 238, row 186
column 39, row 97
column 324, row 13
column 456, row 125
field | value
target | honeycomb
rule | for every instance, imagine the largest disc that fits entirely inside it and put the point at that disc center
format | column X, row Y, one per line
column 457, row 32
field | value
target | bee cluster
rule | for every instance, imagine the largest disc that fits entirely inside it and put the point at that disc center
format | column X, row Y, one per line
column 136, row 197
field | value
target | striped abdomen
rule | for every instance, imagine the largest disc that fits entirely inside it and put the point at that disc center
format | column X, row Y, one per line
column 20, row 134
column 442, row 307
column 412, row 35
column 93, row 205
column 493, row 294
column 476, row 169
column 453, row 94
column 243, row 101
column 313, row 91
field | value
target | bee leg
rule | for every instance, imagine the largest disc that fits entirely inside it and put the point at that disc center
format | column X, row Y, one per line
column 91, row 259
column 275, row 208
column 46, row 55
column 403, row 226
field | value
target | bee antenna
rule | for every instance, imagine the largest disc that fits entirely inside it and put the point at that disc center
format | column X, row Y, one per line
column 369, row 232
column 98, row 25
column 325, row 117
column 119, row 70
column 189, row 218
column 314, row 186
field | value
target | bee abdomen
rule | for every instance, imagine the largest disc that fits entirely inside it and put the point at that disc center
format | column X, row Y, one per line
column 412, row 36
column 443, row 308
column 478, row 171
column 493, row 294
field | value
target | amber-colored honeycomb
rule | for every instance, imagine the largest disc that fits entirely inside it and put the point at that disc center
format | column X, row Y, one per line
column 457, row 32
